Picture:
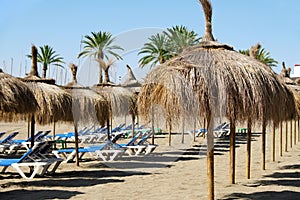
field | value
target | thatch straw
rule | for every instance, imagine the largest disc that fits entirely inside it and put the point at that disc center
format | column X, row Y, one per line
column 34, row 71
column 295, row 89
column 15, row 98
column 131, row 83
column 208, row 36
column 118, row 98
column 88, row 106
column 285, row 75
column 54, row 103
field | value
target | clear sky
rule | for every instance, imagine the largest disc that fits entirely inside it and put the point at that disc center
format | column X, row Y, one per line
column 62, row 23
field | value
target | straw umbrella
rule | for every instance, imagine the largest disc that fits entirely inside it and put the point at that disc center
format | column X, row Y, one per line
column 54, row 103
column 225, row 83
column 16, row 98
column 88, row 106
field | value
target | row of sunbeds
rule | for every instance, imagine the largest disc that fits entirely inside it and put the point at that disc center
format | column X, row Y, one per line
column 42, row 155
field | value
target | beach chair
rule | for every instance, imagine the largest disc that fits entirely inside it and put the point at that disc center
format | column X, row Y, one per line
column 107, row 151
column 7, row 142
column 1, row 134
column 217, row 130
column 96, row 136
column 142, row 146
column 222, row 131
column 9, row 138
column 35, row 159
column 71, row 135
column 40, row 136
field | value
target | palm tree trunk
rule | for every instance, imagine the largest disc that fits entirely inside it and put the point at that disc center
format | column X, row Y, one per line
column 106, row 76
column 45, row 67
column 101, row 67
column 100, row 76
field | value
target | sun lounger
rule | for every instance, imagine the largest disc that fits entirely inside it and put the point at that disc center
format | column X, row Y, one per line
column 1, row 134
column 219, row 131
column 141, row 146
column 9, row 137
column 107, row 151
column 7, row 143
column 35, row 159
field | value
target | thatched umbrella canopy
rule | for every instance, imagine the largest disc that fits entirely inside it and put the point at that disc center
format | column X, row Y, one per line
column 131, row 82
column 119, row 99
column 225, row 83
column 54, row 103
column 93, row 106
column 15, row 98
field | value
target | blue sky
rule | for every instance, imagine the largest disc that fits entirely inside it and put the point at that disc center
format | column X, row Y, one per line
column 62, row 23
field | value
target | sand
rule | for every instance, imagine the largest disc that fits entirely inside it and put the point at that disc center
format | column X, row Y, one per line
column 176, row 172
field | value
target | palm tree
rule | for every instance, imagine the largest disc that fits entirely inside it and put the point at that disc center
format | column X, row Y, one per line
column 265, row 57
column 166, row 45
column 262, row 55
column 180, row 38
column 99, row 46
column 47, row 56
column 155, row 50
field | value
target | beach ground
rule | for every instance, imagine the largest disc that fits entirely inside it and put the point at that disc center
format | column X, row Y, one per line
column 170, row 172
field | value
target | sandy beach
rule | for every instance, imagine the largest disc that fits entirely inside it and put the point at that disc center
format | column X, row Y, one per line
column 176, row 172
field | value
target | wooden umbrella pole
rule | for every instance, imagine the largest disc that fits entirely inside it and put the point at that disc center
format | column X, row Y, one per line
column 28, row 127
column 182, row 135
column 295, row 134
column 169, row 132
column 76, row 144
column 152, row 124
column 248, row 157
column 32, row 130
column 53, row 130
column 291, row 133
column 194, row 132
column 286, row 135
column 264, row 145
column 110, row 123
column 108, row 128
column 204, row 124
column 280, row 138
column 232, row 151
column 137, row 120
column 273, row 141
column 132, row 121
column 210, row 160
column 298, row 129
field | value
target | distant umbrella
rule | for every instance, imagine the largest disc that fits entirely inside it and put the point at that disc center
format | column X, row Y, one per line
column 131, row 82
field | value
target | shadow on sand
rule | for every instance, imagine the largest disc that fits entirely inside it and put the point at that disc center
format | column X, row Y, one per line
column 37, row 194
column 286, row 195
